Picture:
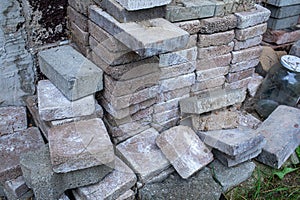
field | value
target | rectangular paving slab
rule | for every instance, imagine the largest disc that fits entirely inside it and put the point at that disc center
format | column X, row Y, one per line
column 73, row 74
column 12, row 119
column 282, row 132
column 53, row 105
column 80, row 145
column 183, row 148
column 147, row 38
column 142, row 4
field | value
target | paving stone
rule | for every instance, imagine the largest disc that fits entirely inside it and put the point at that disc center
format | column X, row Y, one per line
column 208, row 84
column 79, row 19
column 46, row 184
column 73, row 74
column 178, row 57
column 183, row 148
column 295, row 50
column 12, row 119
column 240, row 75
column 251, row 42
column 213, row 51
column 116, row 183
column 78, row 35
column 191, row 26
column 16, row 187
column 171, row 84
column 277, row 151
column 218, row 24
column 165, row 36
column 284, row 11
column 281, row 36
column 216, row 120
column 168, row 105
column 177, row 70
column 253, row 17
column 199, row 186
column 122, row 15
column 166, row 115
column 277, row 24
column 248, row 33
column 241, row 84
column 81, row 6
column 189, row 9
column 75, row 146
column 232, row 141
column 128, row 195
column 244, row 65
column 233, row 176
column 160, row 127
column 215, row 39
column 12, row 146
column 53, row 105
column 140, row 5
column 214, row 62
column 246, row 54
column 211, row 101
column 211, row 73
column 173, row 94
column 142, row 155
column 281, row 3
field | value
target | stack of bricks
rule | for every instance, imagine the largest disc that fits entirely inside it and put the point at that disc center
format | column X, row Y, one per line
column 285, row 15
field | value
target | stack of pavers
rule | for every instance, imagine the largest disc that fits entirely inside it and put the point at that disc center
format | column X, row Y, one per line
column 285, row 15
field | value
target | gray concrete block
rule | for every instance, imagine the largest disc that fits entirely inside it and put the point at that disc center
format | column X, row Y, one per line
column 120, row 13
column 285, row 11
column 282, row 140
column 189, row 9
column 277, row 24
column 280, row 3
column 12, row 119
column 295, row 50
column 165, row 36
column 140, row 5
column 46, row 184
column 73, row 74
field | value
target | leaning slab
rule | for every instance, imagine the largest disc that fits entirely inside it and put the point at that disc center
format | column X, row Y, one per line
column 53, row 105
column 73, row 74
column 12, row 146
column 80, row 145
column 46, row 184
column 183, row 148
column 147, row 38
column 142, row 154
column 12, row 119
column 116, row 183
column 144, row 4
column 282, row 132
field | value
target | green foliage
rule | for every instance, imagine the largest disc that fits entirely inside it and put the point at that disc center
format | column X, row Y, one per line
column 284, row 172
column 298, row 152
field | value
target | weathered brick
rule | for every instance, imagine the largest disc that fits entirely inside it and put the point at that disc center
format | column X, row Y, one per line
column 184, row 150
column 177, row 70
column 191, row 26
column 178, row 57
column 215, row 39
column 247, row 33
column 12, row 119
column 251, row 42
column 277, row 24
column 246, row 54
column 212, row 101
column 244, row 65
column 253, row 17
column 211, row 73
column 80, row 20
column 236, row 76
column 213, row 51
column 172, row 83
column 132, row 5
column 208, row 84
column 213, row 62
column 218, row 24
column 143, row 156
column 281, row 36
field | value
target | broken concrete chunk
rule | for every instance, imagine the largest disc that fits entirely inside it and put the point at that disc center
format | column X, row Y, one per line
column 147, row 38
column 183, row 148
column 132, row 5
column 80, row 145
column 282, row 140
column 73, row 74
column 53, row 105
column 12, row 119
column 142, row 154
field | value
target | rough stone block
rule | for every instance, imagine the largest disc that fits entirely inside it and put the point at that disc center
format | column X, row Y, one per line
column 168, row 105
column 165, row 116
column 277, row 24
column 213, row 51
column 232, row 141
column 178, row 57
column 218, row 24
column 251, row 42
column 241, row 84
column 295, row 50
column 172, row 83
column 211, row 73
column 177, row 70
column 281, row 3
column 200, row 186
column 173, row 94
column 12, row 146
column 80, row 20
column 191, row 26
column 236, row 76
column 208, row 84
column 75, row 146
column 215, row 39
column 281, row 36
column 140, row 5
column 16, row 187
column 233, row 176
column 247, row 33
column 284, row 11
column 211, row 101
column 116, row 183
column 183, row 148
column 73, row 74
column 122, row 15
column 142, row 155
column 12, row 119
column 165, row 125
column 246, row 54
column 46, row 184
column 214, row 62
column 53, row 105
column 188, row 10
column 244, row 65
column 253, row 17
column 78, row 35
column 282, row 141
column 128, row 195
column 165, row 36
column 81, row 6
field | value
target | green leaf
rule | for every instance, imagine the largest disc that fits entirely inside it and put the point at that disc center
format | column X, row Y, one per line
column 284, row 172
column 298, row 152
